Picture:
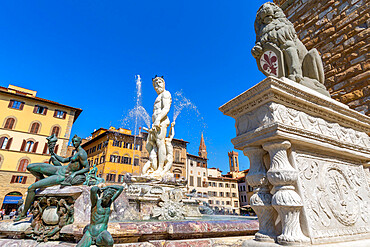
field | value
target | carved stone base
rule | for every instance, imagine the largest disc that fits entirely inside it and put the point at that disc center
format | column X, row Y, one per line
column 54, row 208
column 160, row 201
column 317, row 149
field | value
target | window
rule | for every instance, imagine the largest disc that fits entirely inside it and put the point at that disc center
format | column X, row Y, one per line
column 15, row 104
column 217, row 202
column 94, row 149
column 210, row 193
column 105, row 144
column 127, row 145
column 111, row 177
column 232, row 185
column 5, row 142
column 138, row 147
column 102, row 159
column 177, row 176
column 236, row 204
column 209, row 184
column 177, row 155
column 40, row 110
column 227, row 202
column 136, row 162
column 220, row 185
column 29, row 146
column 99, row 146
column 226, row 185
column 96, row 161
column 191, row 182
column 126, row 160
column 35, row 128
column 199, row 182
column 223, row 203
column 55, row 130
column 18, row 179
column 234, row 194
column 210, row 201
column 227, row 194
column 221, row 194
column 60, row 114
column 9, row 124
column 115, row 158
column 23, row 165
column 213, row 184
column 121, row 178
column 117, row 143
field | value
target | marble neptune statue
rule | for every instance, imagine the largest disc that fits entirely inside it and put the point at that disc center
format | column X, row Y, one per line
column 158, row 145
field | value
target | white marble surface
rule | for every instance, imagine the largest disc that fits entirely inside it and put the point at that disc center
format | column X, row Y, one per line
column 307, row 154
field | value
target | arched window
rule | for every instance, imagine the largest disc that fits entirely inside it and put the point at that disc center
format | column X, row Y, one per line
column 23, row 165
column 29, row 146
column 55, row 130
column 9, row 124
column 3, row 142
column 35, row 128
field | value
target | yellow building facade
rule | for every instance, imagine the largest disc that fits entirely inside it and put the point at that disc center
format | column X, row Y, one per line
column 115, row 152
column 26, row 120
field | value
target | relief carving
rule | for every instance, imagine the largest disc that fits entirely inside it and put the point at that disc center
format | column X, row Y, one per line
column 334, row 195
column 277, row 113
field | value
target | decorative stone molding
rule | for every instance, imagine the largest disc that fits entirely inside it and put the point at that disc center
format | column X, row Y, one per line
column 318, row 148
column 285, row 200
column 261, row 198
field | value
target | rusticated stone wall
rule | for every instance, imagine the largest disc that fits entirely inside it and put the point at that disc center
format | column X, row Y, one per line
column 339, row 30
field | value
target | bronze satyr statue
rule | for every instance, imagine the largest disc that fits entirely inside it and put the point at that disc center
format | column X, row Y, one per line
column 73, row 173
column 96, row 232
column 276, row 39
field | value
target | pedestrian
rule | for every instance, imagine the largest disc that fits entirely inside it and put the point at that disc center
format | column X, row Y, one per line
column 12, row 213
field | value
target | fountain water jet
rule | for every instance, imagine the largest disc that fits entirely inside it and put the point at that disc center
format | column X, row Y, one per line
column 181, row 102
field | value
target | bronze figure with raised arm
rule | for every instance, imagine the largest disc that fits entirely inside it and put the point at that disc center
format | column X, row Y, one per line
column 73, row 173
column 96, row 232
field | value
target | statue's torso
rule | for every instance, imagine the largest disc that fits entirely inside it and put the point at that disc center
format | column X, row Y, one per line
column 158, row 106
column 75, row 165
column 99, row 219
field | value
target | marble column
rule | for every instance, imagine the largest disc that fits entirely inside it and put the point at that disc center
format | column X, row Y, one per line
column 261, row 199
column 285, row 199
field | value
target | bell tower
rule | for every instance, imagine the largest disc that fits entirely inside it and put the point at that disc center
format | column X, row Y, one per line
column 202, row 148
column 233, row 161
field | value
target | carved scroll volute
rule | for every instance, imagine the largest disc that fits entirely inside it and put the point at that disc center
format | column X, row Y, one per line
column 285, row 199
column 261, row 199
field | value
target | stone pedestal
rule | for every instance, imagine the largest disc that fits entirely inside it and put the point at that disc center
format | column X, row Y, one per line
column 313, row 175
column 160, row 201
column 76, row 198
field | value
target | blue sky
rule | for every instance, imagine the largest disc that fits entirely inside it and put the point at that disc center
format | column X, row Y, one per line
column 86, row 54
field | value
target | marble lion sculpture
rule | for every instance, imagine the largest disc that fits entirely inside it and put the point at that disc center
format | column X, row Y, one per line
column 302, row 66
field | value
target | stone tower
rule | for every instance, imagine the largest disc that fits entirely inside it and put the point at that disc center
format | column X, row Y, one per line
column 233, row 161
column 202, row 148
